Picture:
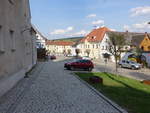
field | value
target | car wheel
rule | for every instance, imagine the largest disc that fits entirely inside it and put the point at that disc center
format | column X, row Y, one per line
column 133, row 68
column 72, row 68
column 90, row 69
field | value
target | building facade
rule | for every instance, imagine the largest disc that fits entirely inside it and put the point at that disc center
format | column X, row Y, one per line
column 60, row 47
column 95, row 43
column 17, row 42
column 40, row 40
column 145, row 44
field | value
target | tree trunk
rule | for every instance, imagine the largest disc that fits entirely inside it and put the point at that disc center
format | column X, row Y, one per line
column 116, row 64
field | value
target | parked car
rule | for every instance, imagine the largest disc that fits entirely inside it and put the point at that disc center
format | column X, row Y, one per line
column 129, row 64
column 52, row 57
column 80, row 64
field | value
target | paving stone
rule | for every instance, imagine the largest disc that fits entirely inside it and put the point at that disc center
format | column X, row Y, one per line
column 55, row 90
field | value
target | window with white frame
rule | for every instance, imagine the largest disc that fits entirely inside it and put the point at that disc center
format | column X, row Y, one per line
column 12, row 40
column 106, row 48
column 1, row 40
column 96, row 45
column 102, row 47
column 93, row 45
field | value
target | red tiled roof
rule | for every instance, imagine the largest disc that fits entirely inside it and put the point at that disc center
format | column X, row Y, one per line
column 60, row 43
column 96, row 35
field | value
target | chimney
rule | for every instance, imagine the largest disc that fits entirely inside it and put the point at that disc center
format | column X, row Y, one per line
column 127, row 31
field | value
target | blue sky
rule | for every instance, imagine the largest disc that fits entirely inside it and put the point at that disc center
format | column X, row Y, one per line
column 69, row 18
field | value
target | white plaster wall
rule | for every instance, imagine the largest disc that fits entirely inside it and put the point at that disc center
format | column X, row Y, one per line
column 102, row 44
column 40, row 40
column 17, row 56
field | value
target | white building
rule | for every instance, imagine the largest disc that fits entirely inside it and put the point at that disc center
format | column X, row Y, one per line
column 40, row 40
column 60, row 47
column 17, row 42
column 95, row 44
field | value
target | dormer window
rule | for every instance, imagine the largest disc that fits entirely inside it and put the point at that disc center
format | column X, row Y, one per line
column 93, row 37
column 106, row 40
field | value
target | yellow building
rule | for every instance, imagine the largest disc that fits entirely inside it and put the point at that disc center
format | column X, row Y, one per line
column 145, row 44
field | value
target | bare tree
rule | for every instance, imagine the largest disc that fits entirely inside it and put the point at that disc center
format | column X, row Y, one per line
column 77, row 52
column 69, row 51
column 88, row 51
column 116, row 44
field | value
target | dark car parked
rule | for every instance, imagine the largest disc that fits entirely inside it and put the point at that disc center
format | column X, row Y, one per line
column 80, row 64
column 52, row 57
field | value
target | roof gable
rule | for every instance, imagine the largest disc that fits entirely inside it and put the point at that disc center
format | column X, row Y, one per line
column 96, row 35
column 146, row 40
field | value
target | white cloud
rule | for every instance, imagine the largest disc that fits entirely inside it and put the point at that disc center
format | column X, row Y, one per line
column 80, row 33
column 113, row 29
column 138, row 27
column 140, row 11
column 91, row 16
column 57, row 32
column 69, row 28
column 126, row 27
column 141, row 25
column 62, row 31
column 98, row 22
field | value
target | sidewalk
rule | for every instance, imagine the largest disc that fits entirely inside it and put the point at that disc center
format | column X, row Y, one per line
column 51, row 89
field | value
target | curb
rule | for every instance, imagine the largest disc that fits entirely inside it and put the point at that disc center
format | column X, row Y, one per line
column 113, row 104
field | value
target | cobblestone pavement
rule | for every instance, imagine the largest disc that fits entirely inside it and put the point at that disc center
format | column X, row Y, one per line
column 51, row 89
column 142, row 74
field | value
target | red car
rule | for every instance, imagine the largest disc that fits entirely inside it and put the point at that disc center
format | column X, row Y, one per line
column 80, row 64
column 53, row 57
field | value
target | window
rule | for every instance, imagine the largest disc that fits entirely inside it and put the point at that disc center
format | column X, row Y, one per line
column 97, row 46
column 123, row 61
column 1, row 41
column 106, row 48
column 148, row 48
column 13, row 40
column 106, row 40
column 142, row 47
column 102, row 47
column 11, row 1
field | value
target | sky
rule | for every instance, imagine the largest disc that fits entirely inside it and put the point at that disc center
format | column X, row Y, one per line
column 72, row 18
